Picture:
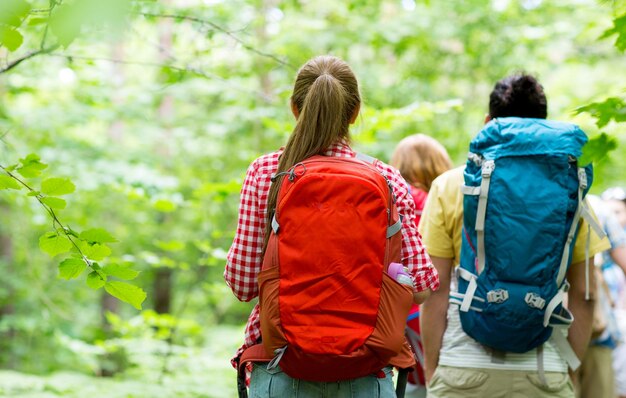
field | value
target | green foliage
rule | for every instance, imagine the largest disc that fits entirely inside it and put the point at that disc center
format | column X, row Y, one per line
column 120, row 271
column 97, row 235
column 96, row 280
column 87, row 246
column 7, row 182
column 126, row 292
column 71, row 268
column 54, row 203
column 10, row 38
column 613, row 108
column 155, row 120
column 54, row 243
column 597, row 148
column 13, row 12
column 31, row 166
column 57, row 186
column 619, row 29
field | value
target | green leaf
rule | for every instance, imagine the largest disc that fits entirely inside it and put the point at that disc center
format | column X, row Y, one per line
column 619, row 29
column 10, row 38
column 12, row 12
column 597, row 148
column 31, row 166
column 613, row 108
column 7, row 182
column 171, row 246
column 95, row 280
column 57, row 186
column 97, row 235
column 33, row 193
column 120, row 271
column 54, row 244
column 54, row 203
column 71, row 268
column 164, row 205
column 126, row 292
column 94, row 251
column 66, row 22
column 34, row 21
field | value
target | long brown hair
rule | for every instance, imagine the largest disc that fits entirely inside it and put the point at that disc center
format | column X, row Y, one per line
column 420, row 159
column 326, row 96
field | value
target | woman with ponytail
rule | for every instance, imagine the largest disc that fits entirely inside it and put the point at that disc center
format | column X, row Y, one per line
column 325, row 101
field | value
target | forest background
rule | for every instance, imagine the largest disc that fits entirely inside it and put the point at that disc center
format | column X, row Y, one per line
column 126, row 128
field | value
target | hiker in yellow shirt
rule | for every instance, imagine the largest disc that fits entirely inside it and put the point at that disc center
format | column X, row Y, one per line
column 456, row 364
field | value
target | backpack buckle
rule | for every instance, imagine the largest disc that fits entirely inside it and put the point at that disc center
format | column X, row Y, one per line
column 497, row 296
column 534, row 300
column 582, row 178
column 488, row 167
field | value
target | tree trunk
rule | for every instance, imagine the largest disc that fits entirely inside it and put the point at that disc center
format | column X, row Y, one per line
column 163, row 290
column 163, row 276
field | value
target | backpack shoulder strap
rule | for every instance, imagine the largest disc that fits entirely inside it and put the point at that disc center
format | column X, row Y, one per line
column 365, row 158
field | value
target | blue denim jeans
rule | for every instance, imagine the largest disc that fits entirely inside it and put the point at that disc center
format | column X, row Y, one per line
column 275, row 383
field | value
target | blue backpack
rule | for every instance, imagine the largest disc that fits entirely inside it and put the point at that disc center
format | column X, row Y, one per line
column 523, row 200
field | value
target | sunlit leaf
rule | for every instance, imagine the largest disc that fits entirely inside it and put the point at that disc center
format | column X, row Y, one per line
column 126, row 292
column 597, row 148
column 12, row 12
column 97, row 235
column 31, row 166
column 34, row 21
column 165, row 206
column 120, row 271
column 171, row 246
column 57, row 186
column 7, row 182
column 71, row 268
column 10, row 38
column 54, row 203
column 619, row 29
column 54, row 244
column 95, row 280
column 66, row 22
column 613, row 108
column 94, row 251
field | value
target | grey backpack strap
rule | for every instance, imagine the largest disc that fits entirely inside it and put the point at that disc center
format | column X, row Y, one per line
column 487, row 169
column 365, row 158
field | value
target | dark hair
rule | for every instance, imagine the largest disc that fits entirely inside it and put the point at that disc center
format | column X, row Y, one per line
column 518, row 95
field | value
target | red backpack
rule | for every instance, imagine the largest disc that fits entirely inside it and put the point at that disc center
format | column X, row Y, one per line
column 329, row 311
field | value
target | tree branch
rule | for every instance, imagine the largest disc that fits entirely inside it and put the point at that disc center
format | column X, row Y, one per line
column 55, row 220
column 182, row 69
column 29, row 55
column 221, row 29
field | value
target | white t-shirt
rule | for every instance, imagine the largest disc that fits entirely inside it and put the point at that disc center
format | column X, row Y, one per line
column 460, row 350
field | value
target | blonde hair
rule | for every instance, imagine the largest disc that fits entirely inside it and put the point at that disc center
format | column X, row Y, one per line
column 326, row 96
column 420, row 159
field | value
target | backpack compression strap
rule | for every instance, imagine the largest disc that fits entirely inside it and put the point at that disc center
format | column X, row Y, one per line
column 487, row 166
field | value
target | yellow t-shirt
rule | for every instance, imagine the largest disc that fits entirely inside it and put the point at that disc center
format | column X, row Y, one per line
column 440, row 226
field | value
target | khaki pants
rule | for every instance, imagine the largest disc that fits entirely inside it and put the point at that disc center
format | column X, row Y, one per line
column 453, row 382
column 596, row 378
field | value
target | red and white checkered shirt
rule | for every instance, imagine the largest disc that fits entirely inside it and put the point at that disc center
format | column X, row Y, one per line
column 244, row 257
